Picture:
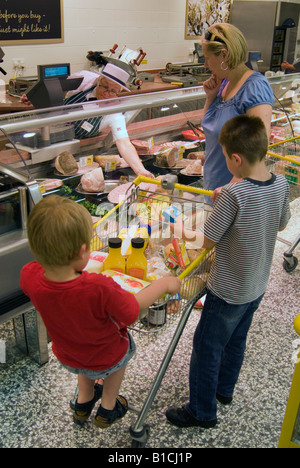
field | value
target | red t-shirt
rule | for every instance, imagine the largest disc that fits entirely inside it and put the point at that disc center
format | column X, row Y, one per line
column 86, row 318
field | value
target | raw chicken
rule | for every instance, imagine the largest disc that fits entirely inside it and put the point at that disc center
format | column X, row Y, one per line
column 93, row 181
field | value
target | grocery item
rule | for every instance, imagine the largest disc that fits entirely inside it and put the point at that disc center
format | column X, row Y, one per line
column 84, row 169
column 128, row 283
column 96, row 262
column 93, row 181
column 127, row 234
column 108, row 158
column 66, row 164
column 115, row 261
column 167, row 158
column 136, row 265
column 172, row 213
column 196, row 155
column 140, row 144
column 181, row 253
column 157, row 313
column 49, row 184
column 194, row 168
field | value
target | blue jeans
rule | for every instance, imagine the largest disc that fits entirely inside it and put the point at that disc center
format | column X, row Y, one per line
column 218, row 353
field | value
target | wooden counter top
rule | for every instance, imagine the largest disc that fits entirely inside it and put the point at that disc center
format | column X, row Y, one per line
column 13, row 104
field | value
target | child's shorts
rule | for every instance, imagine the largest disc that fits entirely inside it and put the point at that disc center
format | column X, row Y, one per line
column 102, row 374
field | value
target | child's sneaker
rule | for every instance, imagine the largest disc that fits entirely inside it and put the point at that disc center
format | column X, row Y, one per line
column 82, row 411
column 105, row 418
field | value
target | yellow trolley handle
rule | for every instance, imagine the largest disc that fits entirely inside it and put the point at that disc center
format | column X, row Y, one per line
column 185, row 188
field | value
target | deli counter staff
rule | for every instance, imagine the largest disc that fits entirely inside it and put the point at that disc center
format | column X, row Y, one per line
column 97, row 86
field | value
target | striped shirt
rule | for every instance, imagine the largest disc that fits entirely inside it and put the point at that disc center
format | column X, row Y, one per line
column 84, row 128
column 244, row 224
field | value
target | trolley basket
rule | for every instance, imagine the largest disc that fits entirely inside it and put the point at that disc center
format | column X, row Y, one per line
column 147, row 206
column 284, row 158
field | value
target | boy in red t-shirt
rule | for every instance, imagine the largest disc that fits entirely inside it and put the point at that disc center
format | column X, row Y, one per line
column 86, row 314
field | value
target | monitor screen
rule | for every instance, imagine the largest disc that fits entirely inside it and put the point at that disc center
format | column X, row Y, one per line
column 61, row 70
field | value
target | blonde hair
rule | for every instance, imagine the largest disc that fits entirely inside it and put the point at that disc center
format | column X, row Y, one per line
column 233, row 41
column 57, row 228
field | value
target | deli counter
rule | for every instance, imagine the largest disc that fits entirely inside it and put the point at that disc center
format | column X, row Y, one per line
column 31, row 143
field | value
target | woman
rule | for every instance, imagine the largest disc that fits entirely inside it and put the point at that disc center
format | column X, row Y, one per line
column 232, row 89
column 105, row 85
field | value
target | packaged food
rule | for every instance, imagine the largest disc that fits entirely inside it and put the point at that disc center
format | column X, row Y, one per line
column 128, row 283
column 96, row 262
column 181, row 253
column 136, row 265
column 172, row 213
column 115, row 261
column 157, row 313
column 129, row 233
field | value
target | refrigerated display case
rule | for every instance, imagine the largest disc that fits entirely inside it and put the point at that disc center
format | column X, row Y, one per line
column 172, row 117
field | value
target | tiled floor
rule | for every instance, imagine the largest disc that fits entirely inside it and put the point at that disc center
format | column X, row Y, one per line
column 34, row 400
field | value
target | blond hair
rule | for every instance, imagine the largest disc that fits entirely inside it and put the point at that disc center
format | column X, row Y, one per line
column 232, row 40
column 57, row 228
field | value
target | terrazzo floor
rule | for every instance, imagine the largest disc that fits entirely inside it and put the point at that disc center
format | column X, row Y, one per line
column 34, row 400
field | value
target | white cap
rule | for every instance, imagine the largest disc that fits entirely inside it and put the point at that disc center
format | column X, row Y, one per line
column 116, row 74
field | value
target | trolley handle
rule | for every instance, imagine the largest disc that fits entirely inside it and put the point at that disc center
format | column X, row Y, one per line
column 284, row 158
column 185, row 188
column 194, row 264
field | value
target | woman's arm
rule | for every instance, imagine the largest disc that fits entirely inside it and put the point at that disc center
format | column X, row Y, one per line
column 264, row 111
column 128, row 152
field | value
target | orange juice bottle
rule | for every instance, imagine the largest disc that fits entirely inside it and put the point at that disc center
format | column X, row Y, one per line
column 137, row 263
column 115, row 261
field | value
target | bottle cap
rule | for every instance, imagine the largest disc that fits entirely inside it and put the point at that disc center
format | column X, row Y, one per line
column 115, row 243
column 137, row 242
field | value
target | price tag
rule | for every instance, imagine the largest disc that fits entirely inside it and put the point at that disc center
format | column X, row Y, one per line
column 86, row 161
column 181, row 151
column 150, row 142
column 110, row 166
column 42, row 188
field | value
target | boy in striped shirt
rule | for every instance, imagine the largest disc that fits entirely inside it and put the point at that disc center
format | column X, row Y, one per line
column 243, row 228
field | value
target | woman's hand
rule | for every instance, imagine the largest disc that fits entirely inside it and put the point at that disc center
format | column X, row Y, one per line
column 145, row 173
column 212, row 86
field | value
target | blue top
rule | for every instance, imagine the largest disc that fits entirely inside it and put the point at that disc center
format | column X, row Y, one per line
column 255, row 91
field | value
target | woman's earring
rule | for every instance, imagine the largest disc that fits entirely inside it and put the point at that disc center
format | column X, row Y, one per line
column 222, row 66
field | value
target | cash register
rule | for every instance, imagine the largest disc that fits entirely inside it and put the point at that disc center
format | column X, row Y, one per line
column 51, row 85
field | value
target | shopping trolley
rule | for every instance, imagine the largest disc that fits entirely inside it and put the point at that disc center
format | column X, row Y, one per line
column 144, row 206
column 284, row 158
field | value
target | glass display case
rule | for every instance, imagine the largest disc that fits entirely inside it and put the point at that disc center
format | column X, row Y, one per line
column 30, row 143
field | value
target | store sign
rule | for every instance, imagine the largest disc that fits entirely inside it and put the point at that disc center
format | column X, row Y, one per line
column 2, row 352
column 31, row 21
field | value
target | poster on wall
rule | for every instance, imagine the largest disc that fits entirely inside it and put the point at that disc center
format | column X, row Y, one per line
column 200, row 14
column 31, row 21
